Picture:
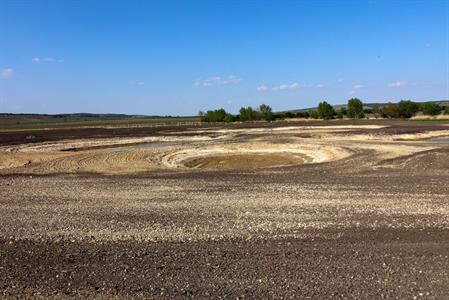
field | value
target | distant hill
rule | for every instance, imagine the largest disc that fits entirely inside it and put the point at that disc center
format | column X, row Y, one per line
column 9, row 121
column 85, row 115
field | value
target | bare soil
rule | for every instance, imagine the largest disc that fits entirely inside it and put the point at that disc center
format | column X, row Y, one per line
column 239, row 161
column 366, row 217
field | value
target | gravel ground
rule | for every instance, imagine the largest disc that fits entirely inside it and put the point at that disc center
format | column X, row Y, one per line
column 369, row 225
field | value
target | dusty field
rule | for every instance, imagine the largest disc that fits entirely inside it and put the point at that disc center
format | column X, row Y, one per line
column 304, row 210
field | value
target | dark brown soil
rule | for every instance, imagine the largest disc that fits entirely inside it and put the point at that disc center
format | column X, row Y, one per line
column 20, row 137
column 361, row 264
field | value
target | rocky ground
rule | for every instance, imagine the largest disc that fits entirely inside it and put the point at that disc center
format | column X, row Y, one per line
column 370, row 220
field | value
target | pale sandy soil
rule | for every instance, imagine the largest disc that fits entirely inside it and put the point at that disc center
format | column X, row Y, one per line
column 271, row 146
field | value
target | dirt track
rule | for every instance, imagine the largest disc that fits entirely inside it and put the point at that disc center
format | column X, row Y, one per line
column 371, row 220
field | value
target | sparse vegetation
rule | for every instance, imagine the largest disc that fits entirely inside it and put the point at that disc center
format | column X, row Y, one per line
column 13, row 122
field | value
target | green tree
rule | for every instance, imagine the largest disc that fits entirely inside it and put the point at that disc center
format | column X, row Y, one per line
column 266, row 112
column 230, row 118
column 407, row 108
column 303, row 114
column 325, row 110
column 431, row 109
column 446, row 110
column 314, row 114
column 247, row 114
column 218, row 115
column 343, row 111
column 390, row 111
column 355, row 109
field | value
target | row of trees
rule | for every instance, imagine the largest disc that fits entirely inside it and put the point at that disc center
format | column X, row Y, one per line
column 354, row 110
column 263, row 112
column 407, row 109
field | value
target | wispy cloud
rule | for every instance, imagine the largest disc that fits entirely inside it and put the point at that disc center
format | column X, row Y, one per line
column 396, row 84
column 138, row 83
column 6, row 73
column 287, row 86
column 355, row 88
column 47, row 60
column 291, row 86
column 217, row 80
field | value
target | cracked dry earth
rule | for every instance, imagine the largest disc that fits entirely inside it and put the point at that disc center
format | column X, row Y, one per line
column 331, row 210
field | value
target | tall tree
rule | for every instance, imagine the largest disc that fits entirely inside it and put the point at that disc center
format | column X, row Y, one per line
column 266, row 112
column 325, row 110
column 247, row 114
column 355, row 108
column 431, row 109
column 407, row 108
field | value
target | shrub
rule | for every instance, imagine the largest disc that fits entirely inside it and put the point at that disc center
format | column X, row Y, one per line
column 431, row 109
column 314, row 114
column 407, row 108
column 247, row 114
column 218, row 115
column 325, row 110
column 355, row 109
column 266, row 112
column 446, row 110
column 230, row 118
column 301, row 114
column 344, row 111
column 390, row 111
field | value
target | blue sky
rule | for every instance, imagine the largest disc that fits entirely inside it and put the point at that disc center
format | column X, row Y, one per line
column 180, row 57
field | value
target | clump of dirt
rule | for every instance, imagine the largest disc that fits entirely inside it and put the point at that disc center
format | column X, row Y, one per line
column 245, row 161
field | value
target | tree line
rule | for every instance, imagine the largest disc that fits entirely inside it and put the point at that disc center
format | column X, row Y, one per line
column 263, row 112
column 354, row 110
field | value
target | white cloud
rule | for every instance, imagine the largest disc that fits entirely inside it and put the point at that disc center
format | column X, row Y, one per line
column 396, row 84
column 6, row 73
column 217, row 80
column 138, row 83
column 47, row 60
column 288, row 86
column 355, row 88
